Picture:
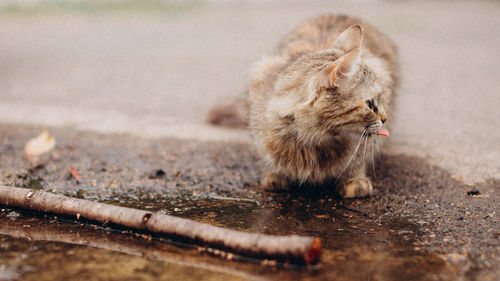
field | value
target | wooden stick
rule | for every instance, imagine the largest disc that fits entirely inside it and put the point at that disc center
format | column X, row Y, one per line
column 293, row 247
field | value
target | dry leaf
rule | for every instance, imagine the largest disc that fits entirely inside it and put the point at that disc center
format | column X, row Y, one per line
column 74, row 173
column 41, row 144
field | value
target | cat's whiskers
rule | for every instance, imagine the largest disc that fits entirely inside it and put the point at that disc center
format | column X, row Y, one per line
column 361, row 139
column 364, row 150
column 378, row 147
column 373, row 157
column 365, row 141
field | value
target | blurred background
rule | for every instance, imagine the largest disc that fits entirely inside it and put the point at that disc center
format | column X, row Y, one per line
column 154, row 68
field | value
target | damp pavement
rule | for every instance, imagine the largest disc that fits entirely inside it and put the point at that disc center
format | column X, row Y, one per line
column 125, row 94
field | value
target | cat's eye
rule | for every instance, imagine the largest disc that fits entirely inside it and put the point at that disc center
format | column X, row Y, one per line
column 370, row 104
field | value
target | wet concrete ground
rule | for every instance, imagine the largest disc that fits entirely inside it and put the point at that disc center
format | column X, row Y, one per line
column 421, row 225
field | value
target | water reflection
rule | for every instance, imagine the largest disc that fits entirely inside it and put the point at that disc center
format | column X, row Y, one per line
column 357, row 245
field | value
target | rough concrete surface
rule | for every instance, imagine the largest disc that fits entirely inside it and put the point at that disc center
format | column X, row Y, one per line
column 156, row 74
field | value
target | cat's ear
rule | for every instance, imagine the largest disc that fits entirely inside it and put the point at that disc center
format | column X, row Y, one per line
column 345, row 67
column 349, row 39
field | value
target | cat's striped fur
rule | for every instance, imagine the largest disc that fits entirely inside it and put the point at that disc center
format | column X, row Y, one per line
column 316, row 103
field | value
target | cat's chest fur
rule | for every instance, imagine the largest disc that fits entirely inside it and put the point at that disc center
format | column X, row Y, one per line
column 329, row 83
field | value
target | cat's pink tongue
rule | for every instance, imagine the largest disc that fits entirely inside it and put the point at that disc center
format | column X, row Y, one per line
column 382, row 132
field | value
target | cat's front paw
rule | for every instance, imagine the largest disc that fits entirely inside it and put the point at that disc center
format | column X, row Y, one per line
column 274, row 182
column 357, row 187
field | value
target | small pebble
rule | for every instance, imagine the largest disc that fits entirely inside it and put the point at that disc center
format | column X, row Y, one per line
column 157, row 174
column 473, row 191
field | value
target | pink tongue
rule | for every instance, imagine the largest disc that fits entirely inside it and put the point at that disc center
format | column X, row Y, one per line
column 382, row 132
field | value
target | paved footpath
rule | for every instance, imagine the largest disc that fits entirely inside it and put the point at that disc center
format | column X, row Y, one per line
column 158, row 74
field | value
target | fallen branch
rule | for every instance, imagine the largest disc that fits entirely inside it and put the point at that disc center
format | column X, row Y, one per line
column 293, row 247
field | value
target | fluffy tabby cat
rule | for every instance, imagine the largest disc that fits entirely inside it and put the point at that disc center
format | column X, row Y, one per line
column 317, row 105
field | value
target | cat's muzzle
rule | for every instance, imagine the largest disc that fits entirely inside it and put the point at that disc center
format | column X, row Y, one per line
column 376, row 129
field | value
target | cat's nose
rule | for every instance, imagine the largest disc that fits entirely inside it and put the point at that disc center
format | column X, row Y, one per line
column 383, row 117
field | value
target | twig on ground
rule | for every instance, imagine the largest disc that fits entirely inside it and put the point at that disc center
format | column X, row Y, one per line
column 293, row 247
column 234, row 199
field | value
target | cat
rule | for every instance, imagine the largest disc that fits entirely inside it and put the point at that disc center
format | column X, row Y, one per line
column 318, row 104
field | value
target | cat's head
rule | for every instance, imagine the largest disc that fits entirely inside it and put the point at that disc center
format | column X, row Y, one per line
column 332, row 90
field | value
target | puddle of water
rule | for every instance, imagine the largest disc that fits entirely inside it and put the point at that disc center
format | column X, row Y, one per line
column 48, row 260
column 356, row 246
column 44, row 248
